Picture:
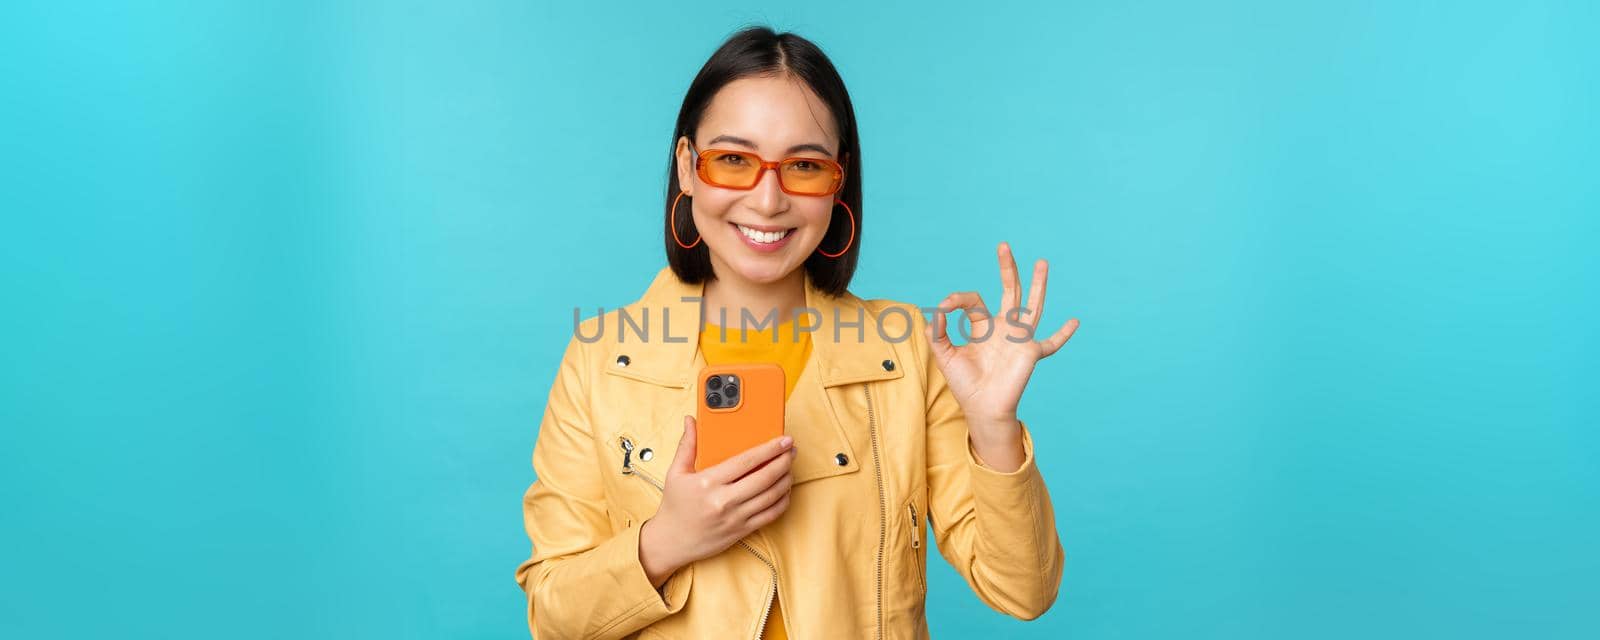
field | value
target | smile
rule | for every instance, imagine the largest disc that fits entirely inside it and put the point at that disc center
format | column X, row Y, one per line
column 763, row 237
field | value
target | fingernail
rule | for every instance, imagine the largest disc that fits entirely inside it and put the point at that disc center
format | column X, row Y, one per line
column 785, row 441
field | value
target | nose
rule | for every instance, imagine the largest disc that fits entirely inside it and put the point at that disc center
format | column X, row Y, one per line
column 768, row 198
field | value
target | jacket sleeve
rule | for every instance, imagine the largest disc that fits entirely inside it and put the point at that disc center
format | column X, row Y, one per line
column 997, row 529
column 580, row 580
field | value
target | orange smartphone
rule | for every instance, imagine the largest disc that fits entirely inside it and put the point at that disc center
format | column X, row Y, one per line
column 741, row 406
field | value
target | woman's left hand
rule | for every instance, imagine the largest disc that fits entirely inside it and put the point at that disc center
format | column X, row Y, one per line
column 987, row 375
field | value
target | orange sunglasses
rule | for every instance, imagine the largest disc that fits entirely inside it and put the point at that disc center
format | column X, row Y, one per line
column 799, row 176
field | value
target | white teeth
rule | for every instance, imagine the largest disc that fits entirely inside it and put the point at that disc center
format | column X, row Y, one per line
column 763, row 237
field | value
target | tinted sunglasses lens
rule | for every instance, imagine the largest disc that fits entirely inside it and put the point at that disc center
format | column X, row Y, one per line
column 807, row 176
column 729, row 169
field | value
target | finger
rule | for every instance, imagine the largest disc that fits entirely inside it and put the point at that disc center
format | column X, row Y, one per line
column 683, row 460
column 768, row 496
column 770, row 513
column 734, row 468
column 972, row 304
column 762, row 478
column 968, row 301
column 938, row 339
column 1041, row 274
column 1010, row 289
column 1061, row 336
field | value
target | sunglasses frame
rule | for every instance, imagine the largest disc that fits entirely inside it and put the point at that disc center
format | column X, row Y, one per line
column 704, row 156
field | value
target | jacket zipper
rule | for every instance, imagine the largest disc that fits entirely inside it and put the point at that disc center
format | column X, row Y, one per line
column 883, row 505
column 916, row 544
column 766, row 609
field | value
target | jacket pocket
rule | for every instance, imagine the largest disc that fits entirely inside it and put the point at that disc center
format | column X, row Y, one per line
column 913, row 516
column 638, row 471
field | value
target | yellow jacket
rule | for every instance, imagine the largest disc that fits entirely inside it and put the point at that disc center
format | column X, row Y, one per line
column 882, row 453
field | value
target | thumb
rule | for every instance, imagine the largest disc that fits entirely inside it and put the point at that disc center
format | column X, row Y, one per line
column 683, row 460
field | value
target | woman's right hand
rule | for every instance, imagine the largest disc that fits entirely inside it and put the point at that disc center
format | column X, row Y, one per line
column 702, row 513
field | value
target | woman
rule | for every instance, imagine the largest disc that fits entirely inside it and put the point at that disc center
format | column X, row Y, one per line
column 889, row 428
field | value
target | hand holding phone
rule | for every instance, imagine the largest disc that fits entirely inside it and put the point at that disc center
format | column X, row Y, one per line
column 703, row 512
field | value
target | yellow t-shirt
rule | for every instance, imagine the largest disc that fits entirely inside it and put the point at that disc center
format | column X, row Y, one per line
column 758, row 346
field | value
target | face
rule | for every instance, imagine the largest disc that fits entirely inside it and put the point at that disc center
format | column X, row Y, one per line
column 763, row 234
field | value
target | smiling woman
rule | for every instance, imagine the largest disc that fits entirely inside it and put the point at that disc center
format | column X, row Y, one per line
column 765, row 97
column 889, row 430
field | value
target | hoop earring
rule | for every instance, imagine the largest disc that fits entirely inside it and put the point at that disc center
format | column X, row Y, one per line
column 847, row 243
column 672, row 222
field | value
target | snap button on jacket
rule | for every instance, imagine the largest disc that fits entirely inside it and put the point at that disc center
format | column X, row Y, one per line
column 883, row 458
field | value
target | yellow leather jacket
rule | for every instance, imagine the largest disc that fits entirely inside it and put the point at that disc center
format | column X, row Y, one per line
column 882, row 455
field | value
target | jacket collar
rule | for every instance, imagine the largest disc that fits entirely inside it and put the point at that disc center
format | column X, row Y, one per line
column 847, row 345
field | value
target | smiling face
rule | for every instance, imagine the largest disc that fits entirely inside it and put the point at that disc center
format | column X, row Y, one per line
column 762, row 234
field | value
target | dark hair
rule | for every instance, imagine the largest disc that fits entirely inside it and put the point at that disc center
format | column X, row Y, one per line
column 759, row 51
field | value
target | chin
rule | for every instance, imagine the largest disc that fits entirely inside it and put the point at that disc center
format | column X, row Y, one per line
column 763, row 271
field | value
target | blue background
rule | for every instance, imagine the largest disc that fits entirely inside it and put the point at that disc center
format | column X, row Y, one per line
column 286, row 286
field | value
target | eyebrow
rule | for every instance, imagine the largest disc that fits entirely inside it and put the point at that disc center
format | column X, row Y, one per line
column 809, row 146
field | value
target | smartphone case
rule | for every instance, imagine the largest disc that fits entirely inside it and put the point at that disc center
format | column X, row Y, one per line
column 722, row 433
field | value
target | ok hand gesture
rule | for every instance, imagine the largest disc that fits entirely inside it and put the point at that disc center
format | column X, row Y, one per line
column 987, row 375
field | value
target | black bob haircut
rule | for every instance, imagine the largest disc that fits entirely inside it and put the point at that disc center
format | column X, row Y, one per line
column 755, row 52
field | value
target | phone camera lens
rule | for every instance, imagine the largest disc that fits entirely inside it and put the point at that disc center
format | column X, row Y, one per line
column 732, row 391
column 714, row 382
column 715, row 399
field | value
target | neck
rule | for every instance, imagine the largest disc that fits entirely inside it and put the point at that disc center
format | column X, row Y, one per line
column 735, row 297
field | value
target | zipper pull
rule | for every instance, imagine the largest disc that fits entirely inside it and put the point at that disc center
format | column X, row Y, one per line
column 627, row 455
column 916, row 529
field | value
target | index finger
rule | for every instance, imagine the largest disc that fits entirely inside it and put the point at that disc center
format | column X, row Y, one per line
column 743, row 462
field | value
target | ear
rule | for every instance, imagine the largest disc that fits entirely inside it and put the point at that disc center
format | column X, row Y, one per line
column 684, row 166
